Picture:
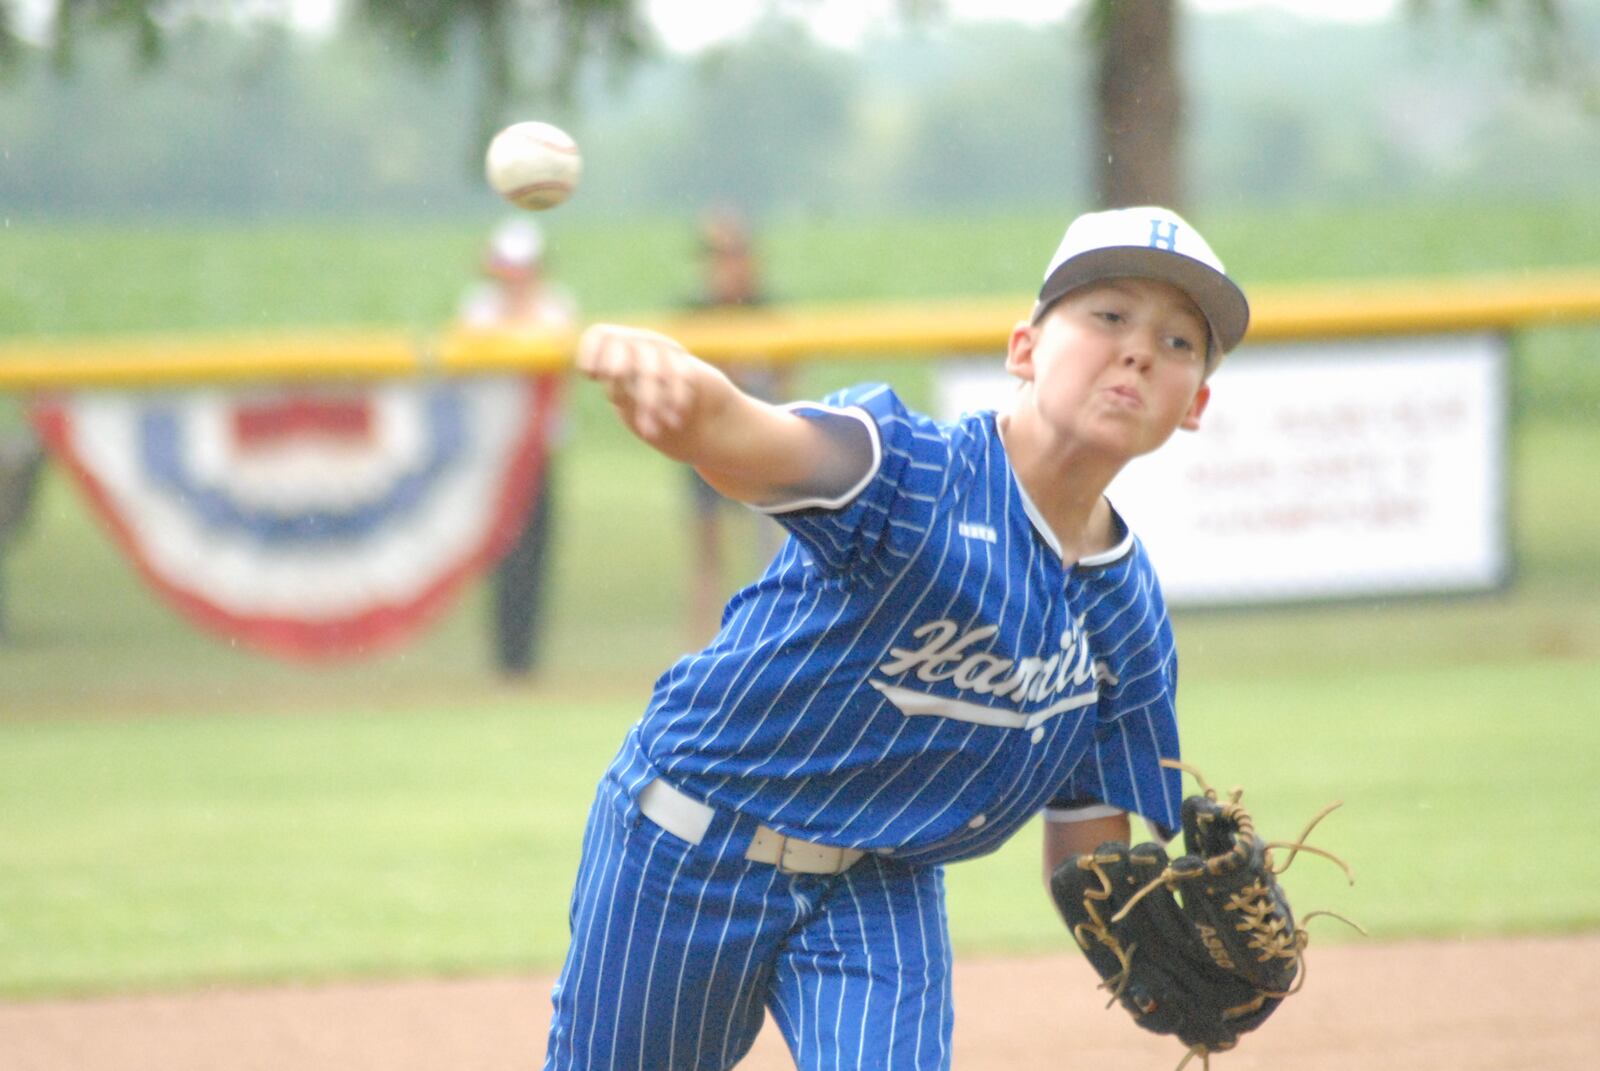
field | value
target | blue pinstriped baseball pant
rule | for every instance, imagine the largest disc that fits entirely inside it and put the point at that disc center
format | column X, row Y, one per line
column 678, row 950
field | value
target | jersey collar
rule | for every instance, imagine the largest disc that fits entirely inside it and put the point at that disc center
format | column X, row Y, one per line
column 1105, row 557
column 1116, row 553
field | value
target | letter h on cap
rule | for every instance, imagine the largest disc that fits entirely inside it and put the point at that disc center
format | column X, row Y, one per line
column 1164, row 239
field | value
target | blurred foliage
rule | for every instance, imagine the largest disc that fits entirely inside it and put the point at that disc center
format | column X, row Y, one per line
column 944, row 115
column 1538, row 37
column 525, row 49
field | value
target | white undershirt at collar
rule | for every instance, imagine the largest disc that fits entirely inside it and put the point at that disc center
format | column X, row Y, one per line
column 1105, row 557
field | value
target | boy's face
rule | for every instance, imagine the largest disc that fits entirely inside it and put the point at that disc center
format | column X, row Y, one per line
column 1116, row 365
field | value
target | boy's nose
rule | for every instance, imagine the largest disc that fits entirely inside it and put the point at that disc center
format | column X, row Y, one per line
column 1139, row 354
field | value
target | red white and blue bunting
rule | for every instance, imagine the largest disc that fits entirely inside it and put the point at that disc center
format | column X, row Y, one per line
column 310, row 522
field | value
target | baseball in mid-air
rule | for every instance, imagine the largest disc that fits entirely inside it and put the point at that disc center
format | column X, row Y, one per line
column 533, row 165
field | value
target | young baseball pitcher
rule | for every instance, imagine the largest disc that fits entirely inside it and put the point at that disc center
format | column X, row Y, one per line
column 959, row 633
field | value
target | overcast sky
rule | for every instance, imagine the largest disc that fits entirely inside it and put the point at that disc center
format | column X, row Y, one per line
column 689, row 25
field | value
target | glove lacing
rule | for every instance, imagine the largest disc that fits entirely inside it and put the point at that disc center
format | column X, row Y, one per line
column 1267, row 930
column 1099, row 929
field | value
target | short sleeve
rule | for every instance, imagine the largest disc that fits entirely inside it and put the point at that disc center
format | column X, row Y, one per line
column 1124, row 768
column 898, row 495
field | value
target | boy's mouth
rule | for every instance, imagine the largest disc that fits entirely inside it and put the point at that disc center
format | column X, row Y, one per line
column 1126, row 396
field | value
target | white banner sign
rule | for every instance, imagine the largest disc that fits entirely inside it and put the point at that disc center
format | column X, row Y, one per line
column 1321, row 470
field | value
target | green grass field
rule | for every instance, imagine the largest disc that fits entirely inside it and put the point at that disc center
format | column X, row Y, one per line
column 167, row 851
column 175, row 812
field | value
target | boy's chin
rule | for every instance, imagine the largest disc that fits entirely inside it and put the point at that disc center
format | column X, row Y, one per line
column 1125, row 440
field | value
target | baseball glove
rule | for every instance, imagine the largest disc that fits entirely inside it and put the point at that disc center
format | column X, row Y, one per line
column 1213, row 966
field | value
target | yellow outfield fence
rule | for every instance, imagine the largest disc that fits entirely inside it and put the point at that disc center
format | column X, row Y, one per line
column 780, row 334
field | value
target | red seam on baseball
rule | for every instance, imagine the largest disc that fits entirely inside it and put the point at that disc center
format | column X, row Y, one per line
column 568, row 147
column 548, row 184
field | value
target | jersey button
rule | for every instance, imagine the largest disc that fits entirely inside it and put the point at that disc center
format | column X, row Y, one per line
column 1038, row 734
column 977, row 823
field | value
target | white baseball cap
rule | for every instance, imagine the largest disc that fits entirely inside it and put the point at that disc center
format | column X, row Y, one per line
column 1148, row 242
column 516, row 243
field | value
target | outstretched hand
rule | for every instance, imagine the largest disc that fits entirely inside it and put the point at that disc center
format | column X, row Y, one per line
column 654, row 384
column 749, row 450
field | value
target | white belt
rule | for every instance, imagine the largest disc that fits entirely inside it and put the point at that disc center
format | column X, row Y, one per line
column 688, row 819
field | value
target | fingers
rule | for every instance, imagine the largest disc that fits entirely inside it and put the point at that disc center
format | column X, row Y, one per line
column 648, row 377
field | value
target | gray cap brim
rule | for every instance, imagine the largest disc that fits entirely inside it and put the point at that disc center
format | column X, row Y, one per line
column 1219, row 299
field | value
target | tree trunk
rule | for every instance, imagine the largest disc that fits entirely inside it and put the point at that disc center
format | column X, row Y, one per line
column 1140, row 103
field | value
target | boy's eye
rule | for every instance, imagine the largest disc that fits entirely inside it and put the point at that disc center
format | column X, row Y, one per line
column 1185, row 348
column 1110, row 317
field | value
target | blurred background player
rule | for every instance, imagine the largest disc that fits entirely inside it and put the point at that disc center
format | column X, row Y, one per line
column 514, row 292
column 730, row 279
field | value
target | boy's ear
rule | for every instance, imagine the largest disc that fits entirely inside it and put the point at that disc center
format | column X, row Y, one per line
column 1202, row 398
column 1019, row 350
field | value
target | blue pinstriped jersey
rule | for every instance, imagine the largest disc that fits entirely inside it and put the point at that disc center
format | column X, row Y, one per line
column 918, row 672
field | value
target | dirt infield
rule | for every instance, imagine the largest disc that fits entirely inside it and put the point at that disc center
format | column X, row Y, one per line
column 1468, row 1006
